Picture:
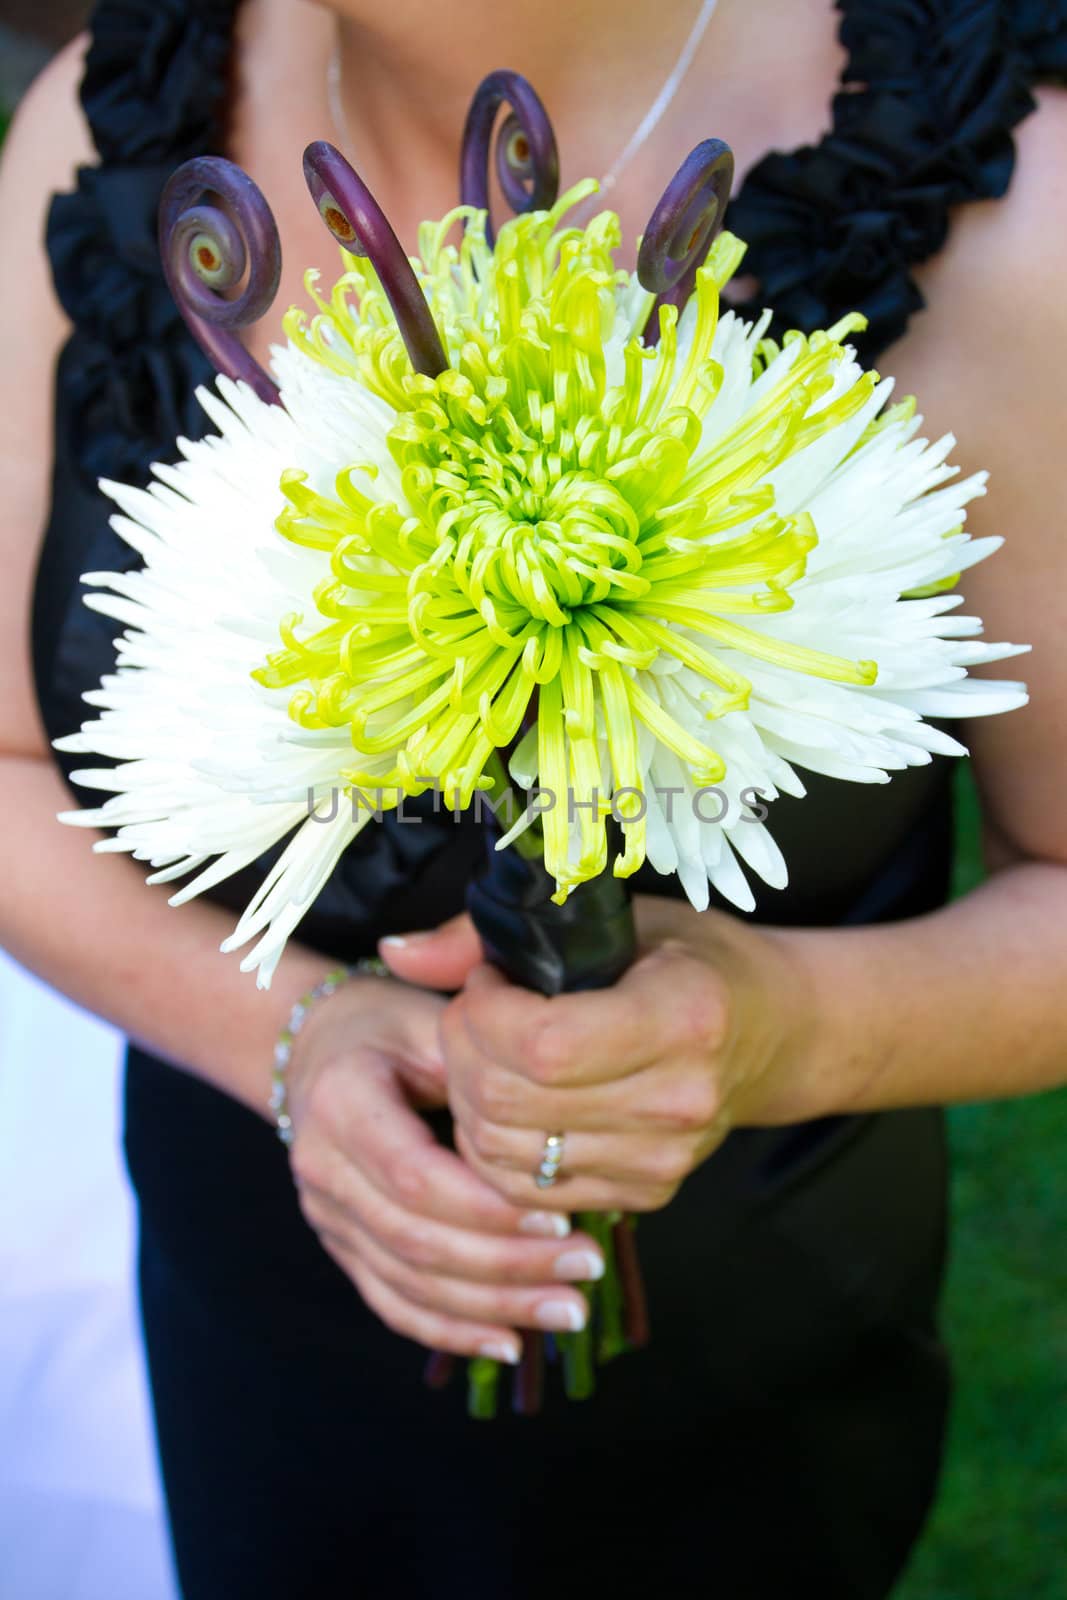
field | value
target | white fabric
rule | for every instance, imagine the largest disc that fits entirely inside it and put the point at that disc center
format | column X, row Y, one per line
column 80, row 1508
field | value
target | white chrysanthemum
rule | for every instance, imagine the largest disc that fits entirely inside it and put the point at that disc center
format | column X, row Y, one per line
column 702, row 565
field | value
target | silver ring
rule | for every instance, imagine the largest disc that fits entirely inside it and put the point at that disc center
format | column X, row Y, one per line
column 551, row 1160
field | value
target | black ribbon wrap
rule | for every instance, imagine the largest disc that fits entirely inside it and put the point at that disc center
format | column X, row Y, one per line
column 586, row 943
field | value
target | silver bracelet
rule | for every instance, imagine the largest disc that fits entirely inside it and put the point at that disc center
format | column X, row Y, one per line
column 367, row 966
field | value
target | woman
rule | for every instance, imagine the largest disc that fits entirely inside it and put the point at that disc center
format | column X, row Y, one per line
column 783, row 1432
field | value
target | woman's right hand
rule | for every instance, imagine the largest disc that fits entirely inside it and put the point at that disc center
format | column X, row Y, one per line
column 429, row 1245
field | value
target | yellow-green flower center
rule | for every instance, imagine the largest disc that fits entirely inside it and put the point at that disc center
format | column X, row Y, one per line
column 563, row 525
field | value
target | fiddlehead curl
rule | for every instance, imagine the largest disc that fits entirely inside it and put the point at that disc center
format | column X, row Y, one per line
column 525, row 153
column 357, row 221
column 210, row 247
column 684, row 225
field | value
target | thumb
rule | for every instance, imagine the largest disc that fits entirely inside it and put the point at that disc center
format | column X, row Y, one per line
column 438, row 959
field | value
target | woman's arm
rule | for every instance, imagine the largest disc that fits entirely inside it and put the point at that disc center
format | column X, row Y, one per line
column 971, row 1002
column 982, row 983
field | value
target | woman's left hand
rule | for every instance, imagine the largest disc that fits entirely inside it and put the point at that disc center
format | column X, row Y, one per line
column 644, row 1079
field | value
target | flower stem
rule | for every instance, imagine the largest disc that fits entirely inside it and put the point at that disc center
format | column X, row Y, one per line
column 483, row 1378
column 439, row 1369
column 617, row 1321
column 530, row 843
column 607, row 1294
column 578, row 1374
column 528, row 1387
column 635, row 1305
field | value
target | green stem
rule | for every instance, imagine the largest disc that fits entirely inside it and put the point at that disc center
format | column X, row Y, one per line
column 579, row 1379
column 530, row 843
column 483, row 1377
column 607, row 1292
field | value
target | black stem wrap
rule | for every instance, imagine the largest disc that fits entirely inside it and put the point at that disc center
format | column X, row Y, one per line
column 586, row 943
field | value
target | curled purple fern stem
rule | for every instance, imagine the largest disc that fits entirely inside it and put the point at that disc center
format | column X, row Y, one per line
column 683, row 227
column 223, row 261
column 525, row 153
column 358, row 222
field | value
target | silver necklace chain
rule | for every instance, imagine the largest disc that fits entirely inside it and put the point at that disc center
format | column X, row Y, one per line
column 649, row 122
column 663, row 101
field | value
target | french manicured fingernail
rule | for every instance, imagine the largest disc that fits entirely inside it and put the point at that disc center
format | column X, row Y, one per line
column 545, row 1224
column 560, row 1316
column 579, row 1266
column 394, row 941
column 501, row 1350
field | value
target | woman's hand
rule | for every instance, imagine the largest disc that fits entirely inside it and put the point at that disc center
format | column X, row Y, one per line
column 644, row 1079
column 429, row 1244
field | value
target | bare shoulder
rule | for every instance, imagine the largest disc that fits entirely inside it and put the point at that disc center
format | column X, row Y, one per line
column 994, row 294
column 48, row 138
column 46, row 143
column 982, row 356
column 985, row 360
column 1040, row 142
column 1027, row 239
column 1013, row 247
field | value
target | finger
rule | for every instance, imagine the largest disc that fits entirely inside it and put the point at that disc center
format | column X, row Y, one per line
column 552, row 1307
column 413, row 1040
column 440, row 958
column 378, row 1131
column 571, row 1193
column 667, row 1098
column 619, row 1158
column 669, row 1003
column 356, row 1208
column 426, row 1327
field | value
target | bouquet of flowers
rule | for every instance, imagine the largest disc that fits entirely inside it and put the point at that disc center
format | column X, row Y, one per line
column 512, row 524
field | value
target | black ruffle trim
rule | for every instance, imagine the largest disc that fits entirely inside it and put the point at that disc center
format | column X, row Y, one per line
column 131, row 391
column 153, row 93
column 923, row 122
column 1041, row 29
column 154, row 77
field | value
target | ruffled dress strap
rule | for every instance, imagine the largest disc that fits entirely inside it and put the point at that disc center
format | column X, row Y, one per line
column 153, row 95
column 923, row 122
column 1040, row 28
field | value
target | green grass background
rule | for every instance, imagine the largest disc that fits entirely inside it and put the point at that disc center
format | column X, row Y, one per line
column 999, row 1530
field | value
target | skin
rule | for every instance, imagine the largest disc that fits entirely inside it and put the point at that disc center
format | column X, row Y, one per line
column 720, row 1023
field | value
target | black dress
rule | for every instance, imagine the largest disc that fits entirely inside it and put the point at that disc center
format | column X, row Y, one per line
column 782, row 1434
